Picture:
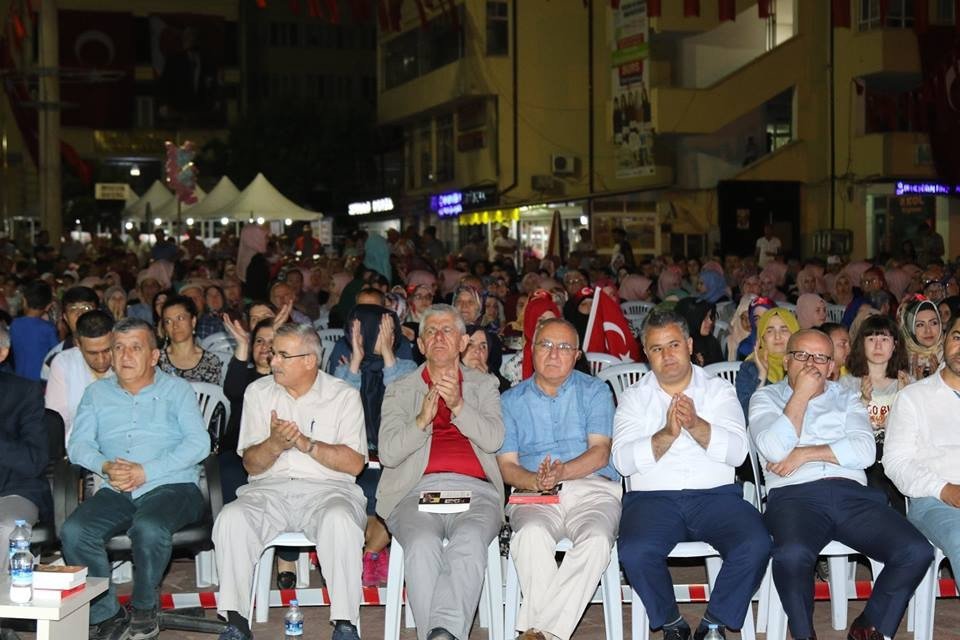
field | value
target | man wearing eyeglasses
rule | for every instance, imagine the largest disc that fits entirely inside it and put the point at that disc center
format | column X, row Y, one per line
column 303, row 442
column 76, row 301
column 814, row 439
column 439, row 431
column 678, row 438
column 559, row 424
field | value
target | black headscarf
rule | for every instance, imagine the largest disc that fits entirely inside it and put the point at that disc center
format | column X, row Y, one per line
column 706, row 349
column 371, row 367
column 494, row 353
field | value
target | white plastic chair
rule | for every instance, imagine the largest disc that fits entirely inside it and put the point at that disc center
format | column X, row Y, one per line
column 721, row 330
column 621, row 376
column 328, row 338
column 609, row 589
column 789, row 306
column 924, row 602
column 725, row 310
column 260, row 593
column 490, row 598
column 637, row 307
column 598, row 361
column 219, row 341
column 835, row 312
column 726, row 370
column 215, row 409
column 636, row 321
column 322, row 321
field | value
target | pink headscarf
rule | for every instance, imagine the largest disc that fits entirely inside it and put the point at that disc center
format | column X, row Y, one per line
column 670, row 279
column 855, row 271
column 161, row 271
column 449, row 280
column 339, row 280
column 897, row 282
column 776, row 271
column 634, row 287
column 806, row 306
column 419, row 276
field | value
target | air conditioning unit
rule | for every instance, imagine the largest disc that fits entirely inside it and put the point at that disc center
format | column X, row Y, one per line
column 546, row 184
column 563, row 164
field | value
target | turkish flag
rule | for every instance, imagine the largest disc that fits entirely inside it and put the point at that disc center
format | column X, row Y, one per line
column 608, row 330
column 691, row 8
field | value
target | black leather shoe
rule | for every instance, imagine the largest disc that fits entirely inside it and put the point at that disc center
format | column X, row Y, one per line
column 861, row 629
column 286, row 580
column 680, row 632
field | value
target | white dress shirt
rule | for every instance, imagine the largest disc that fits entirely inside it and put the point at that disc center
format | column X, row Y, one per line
column 835, row 418
column 922, row 449
column 686, row 464
column 329, row 412
column 69, row 378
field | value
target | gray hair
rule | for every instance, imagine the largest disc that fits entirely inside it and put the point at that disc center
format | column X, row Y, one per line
column 128, row 325
column 549, row 322
column 307, row 335
column 661, row 319
column 4, row 336
column 438, row 310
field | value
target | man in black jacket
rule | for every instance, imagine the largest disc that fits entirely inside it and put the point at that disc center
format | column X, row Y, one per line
column 24, row 490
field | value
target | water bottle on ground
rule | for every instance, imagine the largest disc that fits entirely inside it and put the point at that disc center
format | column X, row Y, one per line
column 19, row 540
column 713, row 633
column 21, row 576
column 293, row 622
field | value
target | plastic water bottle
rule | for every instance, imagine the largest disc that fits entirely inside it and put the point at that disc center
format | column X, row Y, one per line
column 21, row 576
column 19, row 540
column 293, row 621
column 713, row 633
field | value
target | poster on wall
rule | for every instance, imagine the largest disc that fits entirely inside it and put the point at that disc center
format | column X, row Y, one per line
column 630, row 117
column 186, row 51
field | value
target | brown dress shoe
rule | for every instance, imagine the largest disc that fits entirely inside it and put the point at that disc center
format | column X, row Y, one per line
column 862, row 630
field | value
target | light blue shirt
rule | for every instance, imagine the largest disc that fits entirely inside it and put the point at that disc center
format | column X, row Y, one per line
column 835, row 418
column 537, row 424
column 160, row 428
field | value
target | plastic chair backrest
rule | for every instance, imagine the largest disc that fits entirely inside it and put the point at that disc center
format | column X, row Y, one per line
column 215, row 409
column 726, row 370
column 622, row 376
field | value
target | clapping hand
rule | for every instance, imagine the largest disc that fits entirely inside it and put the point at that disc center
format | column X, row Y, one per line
column 356, row 346
column 283, row 314
column 283, row 433
column 549, row 474
column 240, row 336
column 428, row 411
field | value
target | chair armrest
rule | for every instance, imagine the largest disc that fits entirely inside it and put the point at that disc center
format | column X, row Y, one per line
column 67, row 479
column 211, row 468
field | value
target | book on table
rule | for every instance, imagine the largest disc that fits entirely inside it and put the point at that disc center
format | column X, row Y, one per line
column 524, row 496
column 62, row 577
column 444, row 501
column 55, row 596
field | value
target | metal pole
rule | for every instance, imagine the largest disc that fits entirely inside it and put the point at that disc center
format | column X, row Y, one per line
column 49, row 123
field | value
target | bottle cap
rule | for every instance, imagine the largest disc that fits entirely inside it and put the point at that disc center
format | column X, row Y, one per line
column 294, row 603
column 20, row 523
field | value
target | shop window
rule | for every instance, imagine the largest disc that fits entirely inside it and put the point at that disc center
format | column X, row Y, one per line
column 899, row 14
column 945, row 12
column 446, row 156
column 778, row 134
column 420, row 51
column 498, row 28
column 400, row 59
column 425, row 153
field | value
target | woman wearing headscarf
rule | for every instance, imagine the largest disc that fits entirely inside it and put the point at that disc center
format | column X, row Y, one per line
column 772, row 279
column 739, row 326
column 806, row 281
column 811, row 311
column 897, row 282
column 765, row 365
column 757, row 308
column 577, row 310
column 539, row 305
column 635, row 287
column 376, row 255
column 466, row 300
column 919, row 319
column 700, row 317
column 670, row 280
column 484, row 353
column 373, row 334
column 840, row 290
column 712, row 287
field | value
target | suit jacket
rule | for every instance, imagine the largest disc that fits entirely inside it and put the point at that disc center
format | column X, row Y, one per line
column 405, row 450
column 23, row 442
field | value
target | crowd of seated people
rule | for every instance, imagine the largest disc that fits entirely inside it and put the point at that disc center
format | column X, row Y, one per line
column 461, row 373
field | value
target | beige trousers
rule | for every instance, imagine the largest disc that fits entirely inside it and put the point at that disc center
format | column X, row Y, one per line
column 554, row 598
column 330, row 513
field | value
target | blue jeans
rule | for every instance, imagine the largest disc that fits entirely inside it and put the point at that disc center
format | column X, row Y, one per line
column 805, row 517
column 653, row 522
column 150, row 521
column 940, row 523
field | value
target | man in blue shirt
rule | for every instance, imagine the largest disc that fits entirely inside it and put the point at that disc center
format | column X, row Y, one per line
column 815, row 440
column 558, row 429
column 142, row 432
column 32, row 336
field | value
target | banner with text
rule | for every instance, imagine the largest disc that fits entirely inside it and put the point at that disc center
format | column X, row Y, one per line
column 629, row 82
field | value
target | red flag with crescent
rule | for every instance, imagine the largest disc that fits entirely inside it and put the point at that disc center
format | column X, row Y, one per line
column 608, row 330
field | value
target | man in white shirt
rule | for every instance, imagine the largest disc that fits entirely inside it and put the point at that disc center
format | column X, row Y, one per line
column 503, row 245
column 815, row 440
column 73, row 370
column 768, row 246
column 923, row 446
column 678, row 437
column 303, row 442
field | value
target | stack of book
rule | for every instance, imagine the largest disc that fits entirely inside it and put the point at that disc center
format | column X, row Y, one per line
column 51, row 583
column 548, row 496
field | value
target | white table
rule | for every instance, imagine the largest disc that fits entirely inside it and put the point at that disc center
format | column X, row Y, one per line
column 69, row 620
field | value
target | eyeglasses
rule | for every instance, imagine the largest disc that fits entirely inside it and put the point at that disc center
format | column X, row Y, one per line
column 564, row 348
column 431, row 332
column 283, row 355
column 803, row 356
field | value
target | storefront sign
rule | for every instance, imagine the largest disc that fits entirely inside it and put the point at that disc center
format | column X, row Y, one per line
column 381, row 205
column 111, row 191
column 926, row 188
column 453, row 203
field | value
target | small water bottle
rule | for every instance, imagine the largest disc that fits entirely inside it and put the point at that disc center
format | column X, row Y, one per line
column 21, row 576
column 713, row 633
column 293, row 622
column 19, row 540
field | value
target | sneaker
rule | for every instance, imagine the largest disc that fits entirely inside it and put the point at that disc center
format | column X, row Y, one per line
column 343, row 630
column 144, row 624
column 383, row 568
column 114, row 628
column 439, row 633
column 371, row 569
column 232, row 633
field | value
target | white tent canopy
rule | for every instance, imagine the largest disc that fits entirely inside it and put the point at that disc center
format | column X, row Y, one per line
column 155, row 197
column 220, row 196
column 169, row 210
column 262, row 200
